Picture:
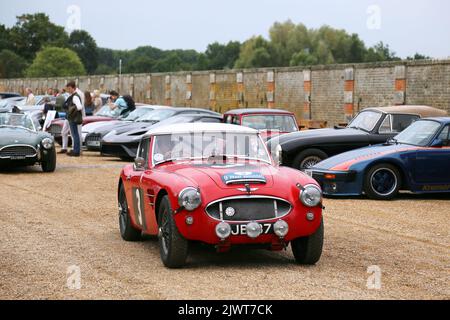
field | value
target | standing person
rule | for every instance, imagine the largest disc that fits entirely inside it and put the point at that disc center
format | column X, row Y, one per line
column 75, row 117
column 88, row 103
column 31, row 100
column 98, row 103
column 60, row 106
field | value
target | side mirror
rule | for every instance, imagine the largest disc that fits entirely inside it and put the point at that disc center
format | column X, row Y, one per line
column 139, row 164
column 437, row 143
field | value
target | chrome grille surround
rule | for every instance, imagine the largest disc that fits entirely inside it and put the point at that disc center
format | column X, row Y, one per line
column 12, row 151
column 249, row 208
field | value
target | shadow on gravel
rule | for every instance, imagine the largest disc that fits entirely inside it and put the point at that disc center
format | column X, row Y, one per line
column 15, row 170
column 203, row 256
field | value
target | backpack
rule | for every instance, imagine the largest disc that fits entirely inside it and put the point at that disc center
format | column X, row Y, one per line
column 130, row 103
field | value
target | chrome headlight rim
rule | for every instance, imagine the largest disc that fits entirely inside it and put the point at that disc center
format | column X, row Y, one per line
column 304, row 193
column 47, row 143
column 183, row 201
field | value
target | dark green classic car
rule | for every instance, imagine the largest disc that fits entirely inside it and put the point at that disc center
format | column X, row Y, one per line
column 21, row 144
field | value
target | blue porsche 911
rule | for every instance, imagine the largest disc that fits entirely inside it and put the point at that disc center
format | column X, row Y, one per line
column 418, row 160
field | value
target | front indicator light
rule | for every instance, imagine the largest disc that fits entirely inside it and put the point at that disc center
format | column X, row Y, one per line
column 330, row 176
column 281, row 228
column 223, row 230
column 310, row 216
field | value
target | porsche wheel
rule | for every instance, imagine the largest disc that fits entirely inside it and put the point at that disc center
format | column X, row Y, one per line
column 382, row 182
column 308, row 250
column 49, row 165
column 127, row 231
column 308, row 159
column 172, row 246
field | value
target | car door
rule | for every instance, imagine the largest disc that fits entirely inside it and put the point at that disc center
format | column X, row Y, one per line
column 392, row 125
column 432, row 167
column 137, row 193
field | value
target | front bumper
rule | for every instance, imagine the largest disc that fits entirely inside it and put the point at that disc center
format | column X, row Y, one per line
column 338, row 183
column 121, row 150
column 203, row 228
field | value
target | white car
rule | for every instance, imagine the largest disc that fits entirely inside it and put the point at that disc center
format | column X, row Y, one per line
column 141, row 110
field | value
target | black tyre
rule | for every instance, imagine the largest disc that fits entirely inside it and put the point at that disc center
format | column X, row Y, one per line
column 308, row 158
column 308, row 250
column 49, row 165
column 172, row 246
column 127, row 231
column 382, row 182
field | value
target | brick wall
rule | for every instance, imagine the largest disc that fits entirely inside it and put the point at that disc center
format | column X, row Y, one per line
column 329, row 93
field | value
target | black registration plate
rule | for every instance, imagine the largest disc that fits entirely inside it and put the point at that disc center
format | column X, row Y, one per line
column 18, row 157
column 241, row 229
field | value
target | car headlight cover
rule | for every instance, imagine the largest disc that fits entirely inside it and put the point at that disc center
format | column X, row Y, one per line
column 311, row 196
column 189, row 199
column 47, row 143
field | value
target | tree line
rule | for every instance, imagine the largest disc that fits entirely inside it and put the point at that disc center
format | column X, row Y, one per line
column 36, row 47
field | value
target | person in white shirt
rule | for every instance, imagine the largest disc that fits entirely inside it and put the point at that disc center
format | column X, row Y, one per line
column 75, row 117
column 31, row 100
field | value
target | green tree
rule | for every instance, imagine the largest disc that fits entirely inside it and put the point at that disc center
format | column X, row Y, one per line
column 220, row 56
column 85, row 46
column 11, row 64
column 141, row 64
column 419, row 56
column 32, row 32
column 56, row 62
column 380, row 52
column 4, row 38
column 255, row 53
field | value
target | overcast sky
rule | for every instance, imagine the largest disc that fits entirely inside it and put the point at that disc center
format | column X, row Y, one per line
column 407, row 26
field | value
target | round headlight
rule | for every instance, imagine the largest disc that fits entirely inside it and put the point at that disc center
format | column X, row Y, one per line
column 47, row 143
column 254, row 230
column 311, row 196
column 189, row 199
column 223, row 230
column 281, row 228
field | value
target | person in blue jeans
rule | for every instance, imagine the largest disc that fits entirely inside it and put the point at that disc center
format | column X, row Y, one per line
column 74, row 101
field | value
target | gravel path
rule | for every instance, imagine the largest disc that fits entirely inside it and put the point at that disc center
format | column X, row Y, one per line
column 49, row 222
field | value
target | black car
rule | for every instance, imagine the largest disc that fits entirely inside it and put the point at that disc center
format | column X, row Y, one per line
column 304, row 149
column 125, row 145
column 7, row 95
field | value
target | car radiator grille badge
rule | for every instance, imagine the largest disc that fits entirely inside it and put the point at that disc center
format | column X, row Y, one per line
column 230, row 212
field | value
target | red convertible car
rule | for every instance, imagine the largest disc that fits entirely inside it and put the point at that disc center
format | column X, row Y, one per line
column 269, row 122
column 217, row 184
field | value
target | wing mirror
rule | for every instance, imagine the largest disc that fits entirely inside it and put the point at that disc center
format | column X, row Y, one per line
column 139, row 164
column 437, row 143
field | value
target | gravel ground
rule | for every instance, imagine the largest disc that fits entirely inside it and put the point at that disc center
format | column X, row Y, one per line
column 49, row 222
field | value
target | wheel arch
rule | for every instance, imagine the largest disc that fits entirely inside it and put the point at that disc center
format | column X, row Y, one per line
column 405, row 183
column 295, row 153
column 161, row 194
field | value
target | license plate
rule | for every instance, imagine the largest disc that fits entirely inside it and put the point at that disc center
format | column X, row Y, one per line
column 241, row 229
column 18, row 157
column 93, row 143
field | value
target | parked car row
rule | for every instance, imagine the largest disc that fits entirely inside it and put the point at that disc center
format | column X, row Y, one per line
column 199, row 176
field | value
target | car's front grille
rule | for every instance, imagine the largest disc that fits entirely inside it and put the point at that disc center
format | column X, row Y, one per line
column 17, row 152
column 93, row 140
column 248, row 208
column 55, row 130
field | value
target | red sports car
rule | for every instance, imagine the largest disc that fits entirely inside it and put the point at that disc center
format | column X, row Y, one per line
column 217, row 184
column 269, row 122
